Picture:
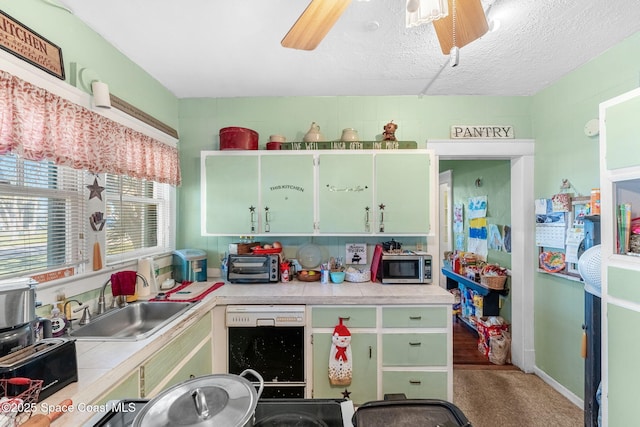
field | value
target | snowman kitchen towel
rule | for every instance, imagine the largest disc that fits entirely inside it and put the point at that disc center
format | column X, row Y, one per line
column 340, row 360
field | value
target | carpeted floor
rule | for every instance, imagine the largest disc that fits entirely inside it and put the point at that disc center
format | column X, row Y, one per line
column 506, row 398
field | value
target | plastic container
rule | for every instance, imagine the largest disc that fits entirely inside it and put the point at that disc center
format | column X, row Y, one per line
column 190, row 265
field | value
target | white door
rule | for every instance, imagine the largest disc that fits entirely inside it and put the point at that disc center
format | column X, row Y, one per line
column 445, row 234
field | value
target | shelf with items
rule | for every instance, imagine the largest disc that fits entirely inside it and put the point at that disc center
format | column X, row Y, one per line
column 626, row 195
column 476, row 300
column 563, row 231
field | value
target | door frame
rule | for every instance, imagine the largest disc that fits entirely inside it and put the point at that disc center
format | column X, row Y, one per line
column 520, row 153
column 445, row 239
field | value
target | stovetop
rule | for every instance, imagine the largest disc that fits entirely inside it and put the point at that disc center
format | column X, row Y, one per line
column 269, row 413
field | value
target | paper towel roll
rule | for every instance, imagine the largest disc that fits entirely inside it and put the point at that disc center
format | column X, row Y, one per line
column 145, row 269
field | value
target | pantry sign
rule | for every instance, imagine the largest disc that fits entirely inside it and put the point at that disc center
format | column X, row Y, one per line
column 26, row 44
column 481, row 132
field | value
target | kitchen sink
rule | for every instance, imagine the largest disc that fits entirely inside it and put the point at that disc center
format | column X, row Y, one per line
column 133, row 322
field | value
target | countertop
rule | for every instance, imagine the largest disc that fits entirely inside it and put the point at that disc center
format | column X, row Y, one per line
column 103, row 364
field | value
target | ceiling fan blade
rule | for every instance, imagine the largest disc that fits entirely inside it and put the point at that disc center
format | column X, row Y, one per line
column 471, row 24
column 314, row 23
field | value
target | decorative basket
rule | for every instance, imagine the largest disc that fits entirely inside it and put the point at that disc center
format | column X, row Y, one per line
column 358, row 276
column 18, row 396
column 493, row 282
column 309, row 277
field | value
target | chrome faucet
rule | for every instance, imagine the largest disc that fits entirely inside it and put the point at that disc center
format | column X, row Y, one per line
column 102, row 307
column 64, row 309
column 86, row 315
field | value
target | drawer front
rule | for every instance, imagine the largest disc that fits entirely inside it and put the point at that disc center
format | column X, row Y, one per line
column 415, row 317
column 353, row 317
column 416, row 385
column 414, row 350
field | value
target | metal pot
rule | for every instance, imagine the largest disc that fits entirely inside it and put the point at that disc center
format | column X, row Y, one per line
column 17, row 302
column 391, row 245
column 210, row 400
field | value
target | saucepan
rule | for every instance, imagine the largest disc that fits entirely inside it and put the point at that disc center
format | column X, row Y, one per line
column 210, row 400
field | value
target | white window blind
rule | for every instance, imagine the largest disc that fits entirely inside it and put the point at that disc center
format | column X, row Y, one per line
column 42, row 212
column 138, row 218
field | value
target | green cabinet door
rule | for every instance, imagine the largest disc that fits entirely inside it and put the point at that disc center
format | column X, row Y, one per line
column 230, row 190
column 345, row 193
column 622, row 133
column 623, row 355
column 363, row 387
column 402, row 193
column 287, row 186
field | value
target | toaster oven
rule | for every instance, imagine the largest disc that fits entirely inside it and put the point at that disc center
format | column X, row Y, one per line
column 253, row 268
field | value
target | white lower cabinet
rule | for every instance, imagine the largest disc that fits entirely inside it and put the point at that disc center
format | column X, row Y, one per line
column 188, row 355
column 396, row 350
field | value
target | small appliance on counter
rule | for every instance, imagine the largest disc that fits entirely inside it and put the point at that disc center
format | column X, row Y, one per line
column 190, row 265
column 253, row 268
column 52, row 360
column 405, row 268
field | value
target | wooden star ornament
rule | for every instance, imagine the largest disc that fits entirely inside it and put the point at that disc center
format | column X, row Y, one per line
column 95, row 190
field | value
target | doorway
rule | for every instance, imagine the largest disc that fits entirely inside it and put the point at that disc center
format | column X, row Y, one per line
column 520, row 155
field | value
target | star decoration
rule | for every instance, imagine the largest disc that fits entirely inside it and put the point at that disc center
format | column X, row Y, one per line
column 252, row 208
column 346, row 393
column 381, row 206
column 95, row 190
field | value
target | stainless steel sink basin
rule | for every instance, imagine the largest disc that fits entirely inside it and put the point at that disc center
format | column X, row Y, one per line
column 131, row 323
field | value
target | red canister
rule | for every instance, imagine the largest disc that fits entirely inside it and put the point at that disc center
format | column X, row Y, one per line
column 237, row 138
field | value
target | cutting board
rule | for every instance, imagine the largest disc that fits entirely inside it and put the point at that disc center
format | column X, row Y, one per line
column 190, row 291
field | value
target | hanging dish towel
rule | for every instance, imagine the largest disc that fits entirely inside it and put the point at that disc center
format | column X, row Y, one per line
column 340, row 361
column 123, row 283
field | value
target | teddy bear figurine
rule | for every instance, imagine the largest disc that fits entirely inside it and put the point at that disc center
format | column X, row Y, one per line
column 389, row 131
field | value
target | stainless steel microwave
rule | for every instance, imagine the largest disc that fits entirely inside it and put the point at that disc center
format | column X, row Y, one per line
column 406, row 268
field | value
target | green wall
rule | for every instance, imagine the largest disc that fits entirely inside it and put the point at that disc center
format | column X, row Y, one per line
column 83, row 46
column 559, row 114
column 496, row 185
column 418, row 119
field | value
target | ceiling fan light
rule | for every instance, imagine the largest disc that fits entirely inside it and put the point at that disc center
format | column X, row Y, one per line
column 421, row 12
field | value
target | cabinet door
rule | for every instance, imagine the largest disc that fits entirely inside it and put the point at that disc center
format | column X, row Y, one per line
column 198, row 365
column 230, row 191
column 155, row 370
column 402, row 193
column 287, row 185
column 129, row 388
column 345, row 193
column 363, row 385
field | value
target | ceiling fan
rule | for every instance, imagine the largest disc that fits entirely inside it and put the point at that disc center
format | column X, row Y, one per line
column 314, row 23
column 465, row 23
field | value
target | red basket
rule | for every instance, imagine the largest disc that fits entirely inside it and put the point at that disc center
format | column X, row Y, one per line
column 19, row 396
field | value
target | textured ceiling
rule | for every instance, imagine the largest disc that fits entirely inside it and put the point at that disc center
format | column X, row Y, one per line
column 214, row 48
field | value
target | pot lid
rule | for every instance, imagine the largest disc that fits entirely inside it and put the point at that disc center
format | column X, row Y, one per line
column 311, row 256
column 211, row 400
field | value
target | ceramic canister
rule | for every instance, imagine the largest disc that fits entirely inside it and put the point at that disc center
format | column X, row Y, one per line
column 349, row 135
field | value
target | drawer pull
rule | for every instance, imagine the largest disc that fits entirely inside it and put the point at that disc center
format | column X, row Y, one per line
column 415, row 317
column 415, row 344
column 415, row 382
column 370, row 352
column 345, row 318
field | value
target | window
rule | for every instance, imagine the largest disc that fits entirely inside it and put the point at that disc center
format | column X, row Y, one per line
column 138, row 217
column 42, row 208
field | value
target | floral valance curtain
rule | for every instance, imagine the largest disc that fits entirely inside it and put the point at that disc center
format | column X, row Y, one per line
column 38, row 125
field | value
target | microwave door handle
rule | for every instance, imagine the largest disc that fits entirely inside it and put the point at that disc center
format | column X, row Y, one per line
column 421, row 270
